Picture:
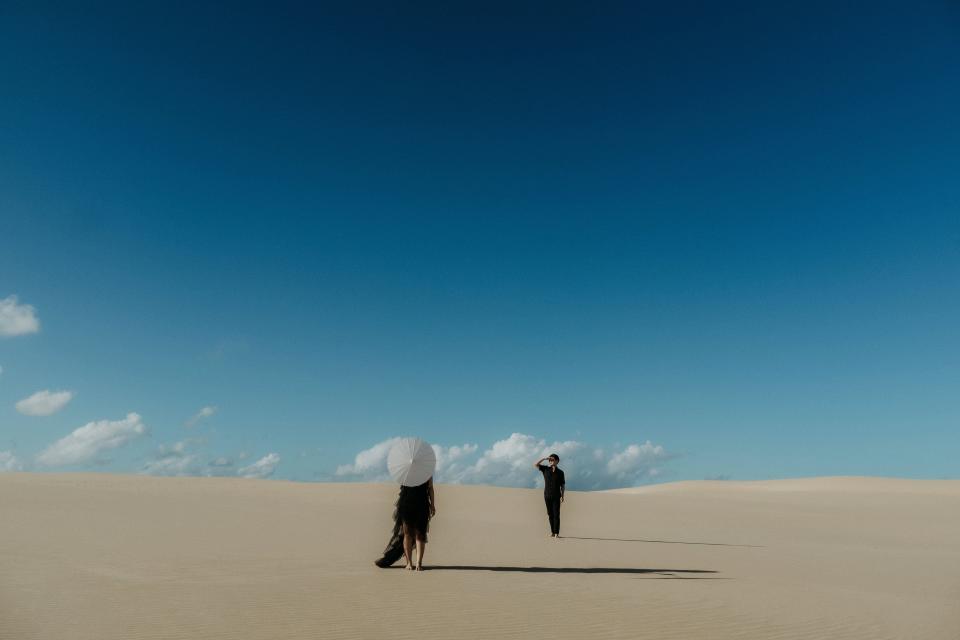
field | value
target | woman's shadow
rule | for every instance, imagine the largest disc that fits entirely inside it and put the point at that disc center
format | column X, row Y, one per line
column 667, row 573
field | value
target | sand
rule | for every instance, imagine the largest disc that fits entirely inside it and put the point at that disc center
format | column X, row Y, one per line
column 102, row 557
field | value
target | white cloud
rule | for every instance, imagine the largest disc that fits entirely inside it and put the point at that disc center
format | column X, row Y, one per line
column 173, row 460
column 17, row 319
column 92, row 439
column 262, row 468
column 509, row 462
column 452, row 460
column 44, row 403
column 506, row 463
column 206, row 412
column 9, row 462
column 174, row 466
column 370, row 464
column 624, row 465
column 183, row 459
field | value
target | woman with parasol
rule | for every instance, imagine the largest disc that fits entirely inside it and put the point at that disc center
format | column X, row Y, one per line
column 411, row 462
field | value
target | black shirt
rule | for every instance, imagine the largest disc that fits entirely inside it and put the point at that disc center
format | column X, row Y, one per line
column 553, row 481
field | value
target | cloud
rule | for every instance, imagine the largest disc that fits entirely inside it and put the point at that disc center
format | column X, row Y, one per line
column 508, row 463
column 9, row 462
column 173, row 460
column 262, row 468
column 644, row 457
column 91, row 440
column 183, row 459
column 44, row 403
column 370, row 464
column 17, row 319
column 454, row 460
column 206, row 412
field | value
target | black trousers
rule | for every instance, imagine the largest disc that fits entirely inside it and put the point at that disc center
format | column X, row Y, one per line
column 553, row 512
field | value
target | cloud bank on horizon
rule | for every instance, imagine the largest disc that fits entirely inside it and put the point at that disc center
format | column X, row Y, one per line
column 507, row 463
column 182, row 459
column 262, row 468
column 187, row 458
column 9, row 462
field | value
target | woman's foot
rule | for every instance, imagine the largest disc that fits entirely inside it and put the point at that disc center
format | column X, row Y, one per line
column 419, row 567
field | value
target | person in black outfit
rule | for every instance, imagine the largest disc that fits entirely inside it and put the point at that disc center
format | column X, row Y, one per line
column 411, row 521
column 553, row 489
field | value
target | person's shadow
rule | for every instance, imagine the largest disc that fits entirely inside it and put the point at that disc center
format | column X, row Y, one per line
column 706, row 544
column 687, row 574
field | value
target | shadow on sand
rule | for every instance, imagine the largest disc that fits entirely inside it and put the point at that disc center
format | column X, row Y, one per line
column 664, row 573
column 708, row 544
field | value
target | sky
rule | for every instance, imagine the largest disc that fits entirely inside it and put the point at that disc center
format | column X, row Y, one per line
column 703, row 240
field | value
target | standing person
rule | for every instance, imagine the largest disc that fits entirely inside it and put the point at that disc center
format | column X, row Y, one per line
column 415, row 507
column 411, row 462
column 554, row 485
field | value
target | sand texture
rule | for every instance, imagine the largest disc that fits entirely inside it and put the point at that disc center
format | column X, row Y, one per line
column 104, row 557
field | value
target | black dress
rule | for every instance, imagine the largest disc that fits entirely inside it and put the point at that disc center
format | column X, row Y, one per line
column 413, row 509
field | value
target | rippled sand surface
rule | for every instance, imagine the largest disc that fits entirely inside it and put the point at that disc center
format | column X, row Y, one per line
column 104, row 557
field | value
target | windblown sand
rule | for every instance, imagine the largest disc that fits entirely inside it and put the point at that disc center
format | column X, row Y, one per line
column 105, row 557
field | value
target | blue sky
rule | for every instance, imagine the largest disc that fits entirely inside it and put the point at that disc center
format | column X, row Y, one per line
column 732, row 233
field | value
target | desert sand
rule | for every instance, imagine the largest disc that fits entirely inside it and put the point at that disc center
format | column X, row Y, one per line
column 102, row 557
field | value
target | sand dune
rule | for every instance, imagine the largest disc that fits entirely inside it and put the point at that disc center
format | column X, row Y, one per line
column 101, row 557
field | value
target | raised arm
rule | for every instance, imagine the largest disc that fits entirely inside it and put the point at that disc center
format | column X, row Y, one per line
column 536, row 465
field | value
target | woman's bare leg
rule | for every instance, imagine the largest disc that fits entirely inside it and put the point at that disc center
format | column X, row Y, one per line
column 421, row 546
column 408, row 546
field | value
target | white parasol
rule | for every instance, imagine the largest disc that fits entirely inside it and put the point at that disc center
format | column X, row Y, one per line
column 411, row 461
